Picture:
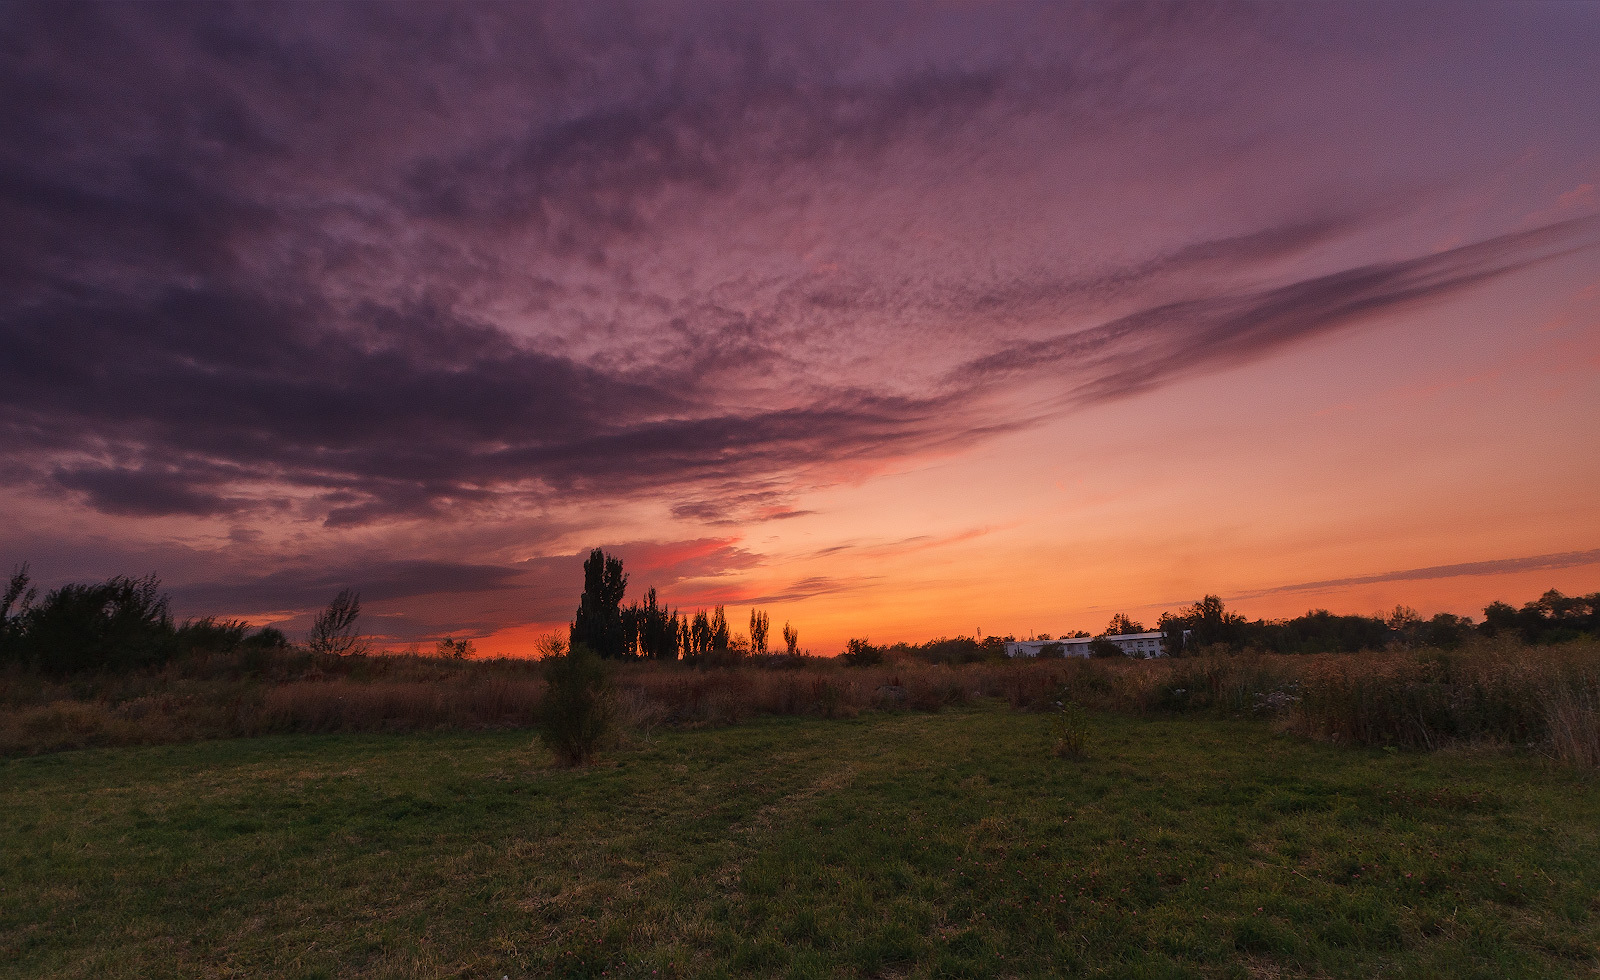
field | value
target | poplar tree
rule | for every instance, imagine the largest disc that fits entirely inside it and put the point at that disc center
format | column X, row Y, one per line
column 720, row 637
column 598, row 624
column 759, row 624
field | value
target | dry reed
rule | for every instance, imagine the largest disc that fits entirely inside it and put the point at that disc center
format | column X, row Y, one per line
column 1488, row 693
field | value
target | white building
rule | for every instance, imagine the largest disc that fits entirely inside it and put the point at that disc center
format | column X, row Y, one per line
column 1150, row 644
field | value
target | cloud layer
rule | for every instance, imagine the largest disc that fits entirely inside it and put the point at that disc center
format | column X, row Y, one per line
column 347, row 269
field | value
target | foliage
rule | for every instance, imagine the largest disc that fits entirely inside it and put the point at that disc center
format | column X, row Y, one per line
column 266, row 638
column 119, row 624
column 598, row 622
column 699, row 635
column 454, row 649
column 1121, row 625
column 651, row 629
column 950, row 650
column 760, row 622
column 1208, row 623
column 210, row 633
column 578, row 710
column 1102, row 647
column 861, row 653
column 335, row 632
column 1552, row 618
column 791, row 640
column 719, row 631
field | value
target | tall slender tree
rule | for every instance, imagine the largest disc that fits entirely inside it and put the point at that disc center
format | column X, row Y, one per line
column 720, row 637
column 759, row 624
column 598, row 623
column 791, row 640
column 700, row 634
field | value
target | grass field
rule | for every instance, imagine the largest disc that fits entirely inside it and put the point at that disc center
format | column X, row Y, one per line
column 948, row 844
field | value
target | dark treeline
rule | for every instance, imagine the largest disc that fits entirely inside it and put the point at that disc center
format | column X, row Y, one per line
column 120, row 624
column 125, row 623
column 649, row 630
column 1208, row 625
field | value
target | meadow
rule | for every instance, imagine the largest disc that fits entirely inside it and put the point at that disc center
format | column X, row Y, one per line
column 1491, row 692
column 894, row 843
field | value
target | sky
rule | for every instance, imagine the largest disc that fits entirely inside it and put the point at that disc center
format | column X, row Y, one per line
column 896, row 321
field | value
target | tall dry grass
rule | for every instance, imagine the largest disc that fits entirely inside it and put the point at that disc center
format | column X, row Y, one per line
column 1547, row 697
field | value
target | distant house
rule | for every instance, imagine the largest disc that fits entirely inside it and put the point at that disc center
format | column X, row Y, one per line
column 1151, row 644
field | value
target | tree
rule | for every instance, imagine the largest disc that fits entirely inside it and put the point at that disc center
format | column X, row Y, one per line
column 1102, row 647
column 657, row 629
column 759, row 624
column 720, row 638
column 334, row 630
column 700, row 634
column 1173, row 628
column 791, row 640
column 1208, row 622
column 598, row 622
column 1121, row 625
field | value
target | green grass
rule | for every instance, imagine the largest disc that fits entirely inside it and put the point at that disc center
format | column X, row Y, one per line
column 955, row 844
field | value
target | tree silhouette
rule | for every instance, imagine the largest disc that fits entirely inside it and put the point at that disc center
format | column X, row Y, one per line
column 598, row 623
column 759, row 624
column 720, row 637
column 1121, row 625
column 700, row 634
column 334, row 630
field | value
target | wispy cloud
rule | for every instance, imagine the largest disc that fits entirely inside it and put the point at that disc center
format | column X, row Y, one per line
column 1155, row 346
column 1497, row 566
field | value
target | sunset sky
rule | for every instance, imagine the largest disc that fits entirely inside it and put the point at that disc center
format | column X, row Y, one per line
column 896, row 321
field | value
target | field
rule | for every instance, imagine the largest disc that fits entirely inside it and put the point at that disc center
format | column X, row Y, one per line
column 951, row 843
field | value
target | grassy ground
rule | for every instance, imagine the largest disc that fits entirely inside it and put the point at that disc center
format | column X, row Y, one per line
column 950, row 844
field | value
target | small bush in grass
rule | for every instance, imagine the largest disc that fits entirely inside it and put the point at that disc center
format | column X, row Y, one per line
column 1069, row 731
column 578, row 708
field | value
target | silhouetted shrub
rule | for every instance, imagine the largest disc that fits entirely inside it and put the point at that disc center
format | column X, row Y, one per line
column 267, row 638
column 114, row 625
column 211, row 635
column 578, row 708
column 860, row 653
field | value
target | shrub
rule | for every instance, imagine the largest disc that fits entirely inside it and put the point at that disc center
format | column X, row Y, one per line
column 210, row 635
column 119, row 624
column 267, row 638
column 860, row 653
column 578, row 707
column 1102, row 647
column 1069, row 731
